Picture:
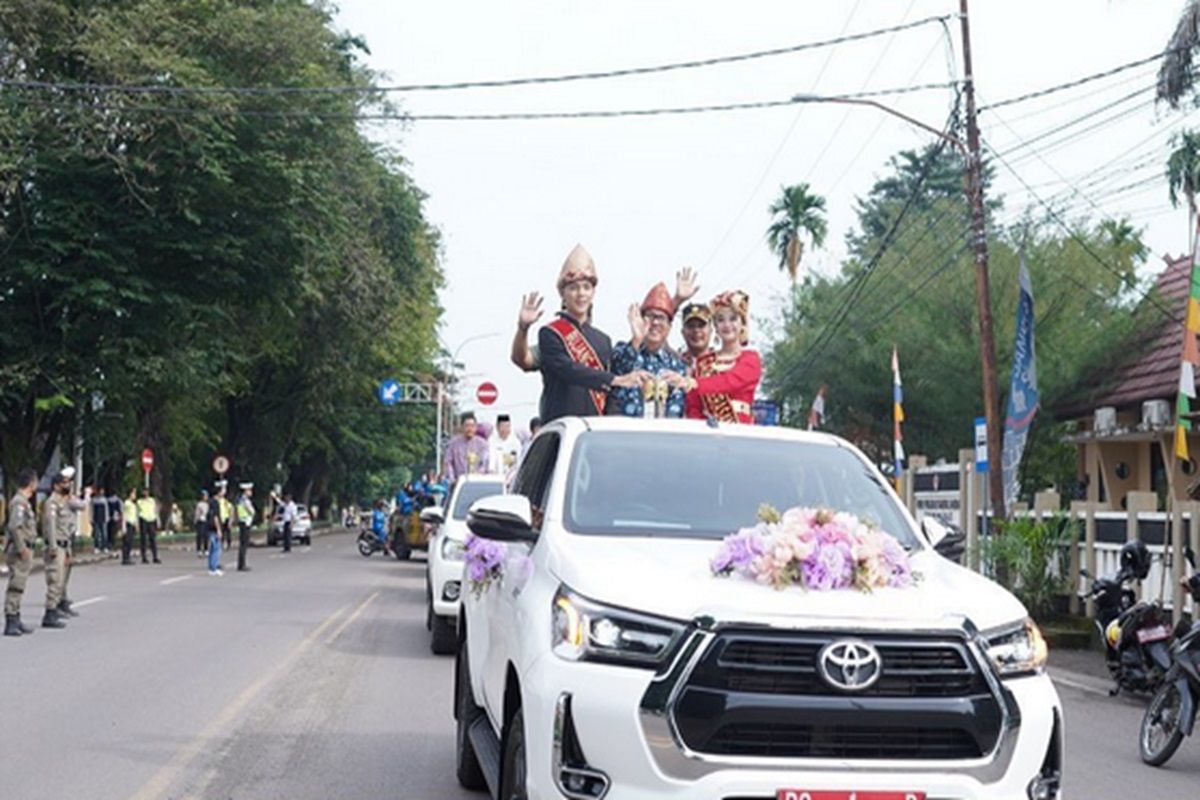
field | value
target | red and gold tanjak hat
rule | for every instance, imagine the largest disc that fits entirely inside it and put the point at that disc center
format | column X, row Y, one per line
column 659, row 299
column 579, row 266
column 737, row 301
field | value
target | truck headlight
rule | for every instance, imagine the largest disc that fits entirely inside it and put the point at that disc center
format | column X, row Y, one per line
column 584, row 630
column 452, row 549
column 1018, row 651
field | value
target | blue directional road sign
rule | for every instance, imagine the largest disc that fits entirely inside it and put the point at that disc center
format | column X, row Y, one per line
column 389, row 392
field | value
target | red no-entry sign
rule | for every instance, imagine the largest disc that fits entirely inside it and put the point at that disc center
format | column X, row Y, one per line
column 147, row 460
column 487, row 393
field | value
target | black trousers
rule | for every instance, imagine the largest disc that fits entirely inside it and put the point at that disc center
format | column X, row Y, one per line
column 127, row 543
column 201, row 538
column 114, row 534
column 287, row 537
column 149, row 532
column 243, row 543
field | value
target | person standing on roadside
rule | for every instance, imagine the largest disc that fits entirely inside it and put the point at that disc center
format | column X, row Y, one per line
column 129, row 514
column 466, row 452
column 215, row 525
column 58, row 526
column 18, row 550
column 290, row 512
column 245, row 519
column 148, row 521
column 99, row 506
column 115, row 519
column 200, row 521
column 68, row 522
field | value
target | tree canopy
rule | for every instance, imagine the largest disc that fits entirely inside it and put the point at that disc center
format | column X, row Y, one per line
column 920, row 297
column 197, row 272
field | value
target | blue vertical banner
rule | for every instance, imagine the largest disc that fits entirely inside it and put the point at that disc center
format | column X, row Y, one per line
column 1023, row 393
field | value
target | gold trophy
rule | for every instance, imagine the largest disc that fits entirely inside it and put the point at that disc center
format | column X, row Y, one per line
column 654, row 398
column 471, row 459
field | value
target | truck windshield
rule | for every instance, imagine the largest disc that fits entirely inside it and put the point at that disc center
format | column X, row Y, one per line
column 471, row 491
column 689, row 485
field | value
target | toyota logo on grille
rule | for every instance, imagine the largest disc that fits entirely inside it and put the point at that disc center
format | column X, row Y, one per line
column 851, row 665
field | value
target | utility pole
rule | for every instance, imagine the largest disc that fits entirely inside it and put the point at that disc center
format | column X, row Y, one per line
column 983, row 295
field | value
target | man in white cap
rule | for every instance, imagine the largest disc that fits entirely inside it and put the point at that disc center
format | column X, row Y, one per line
column 59, row 519
column 575, row 356
column 245, row 518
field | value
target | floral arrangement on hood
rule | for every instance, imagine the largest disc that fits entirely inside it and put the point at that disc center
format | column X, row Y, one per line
column 814, row 548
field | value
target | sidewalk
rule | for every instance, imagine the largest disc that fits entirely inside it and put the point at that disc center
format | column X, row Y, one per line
column 175, row 542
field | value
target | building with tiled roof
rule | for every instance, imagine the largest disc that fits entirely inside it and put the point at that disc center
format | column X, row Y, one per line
column 1125, row 412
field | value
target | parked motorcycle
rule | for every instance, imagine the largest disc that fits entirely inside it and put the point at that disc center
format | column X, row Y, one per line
column 1172, row 711
column 1137, row 635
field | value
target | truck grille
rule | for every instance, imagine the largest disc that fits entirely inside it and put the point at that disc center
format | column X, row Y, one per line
column 757, row 693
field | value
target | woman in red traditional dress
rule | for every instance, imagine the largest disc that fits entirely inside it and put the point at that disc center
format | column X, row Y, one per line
column 721, row 383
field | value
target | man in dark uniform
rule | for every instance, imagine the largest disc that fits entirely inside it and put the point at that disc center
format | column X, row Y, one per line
column 18, row 550
column 575, row 357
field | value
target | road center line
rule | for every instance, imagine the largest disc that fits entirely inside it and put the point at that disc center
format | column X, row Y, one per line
column 176, row 579
column 162, row 780
column 346, row 623
column 89, row 601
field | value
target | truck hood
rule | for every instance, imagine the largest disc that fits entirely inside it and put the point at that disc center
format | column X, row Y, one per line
column 671, row 578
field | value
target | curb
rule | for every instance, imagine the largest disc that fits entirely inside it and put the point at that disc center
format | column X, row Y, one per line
column 187, row 546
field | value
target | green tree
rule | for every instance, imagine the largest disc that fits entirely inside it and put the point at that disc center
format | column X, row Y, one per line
column 1176, row 78
column 227, row 271
column 797, row 212
column 1183, row 169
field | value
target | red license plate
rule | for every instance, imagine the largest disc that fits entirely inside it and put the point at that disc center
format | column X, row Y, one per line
column 1155, row 634
column 807, row 794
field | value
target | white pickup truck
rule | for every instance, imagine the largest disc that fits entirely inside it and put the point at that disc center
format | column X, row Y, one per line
column 601, row 657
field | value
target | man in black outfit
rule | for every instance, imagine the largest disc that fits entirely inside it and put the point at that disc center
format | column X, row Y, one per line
column 575, row 357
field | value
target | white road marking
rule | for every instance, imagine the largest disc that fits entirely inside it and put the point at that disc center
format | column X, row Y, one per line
column 89, row 601
column 176, row 579
column 353, row 616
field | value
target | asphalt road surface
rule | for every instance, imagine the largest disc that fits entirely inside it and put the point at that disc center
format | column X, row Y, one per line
column 311, row 677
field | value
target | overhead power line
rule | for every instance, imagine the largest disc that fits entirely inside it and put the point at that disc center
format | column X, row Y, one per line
column 480, row 84
column 64, row 105
column 1072, row 84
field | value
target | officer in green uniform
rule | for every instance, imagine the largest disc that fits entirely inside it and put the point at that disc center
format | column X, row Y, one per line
column 245, row 518
column 57, row 527
column 68, row 522
column 18, row 550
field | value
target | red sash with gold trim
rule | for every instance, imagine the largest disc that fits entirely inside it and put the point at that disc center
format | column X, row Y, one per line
column 581, row 352
column 718, row 406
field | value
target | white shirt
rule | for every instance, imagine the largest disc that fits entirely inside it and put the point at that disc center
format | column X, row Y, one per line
column 289, row 512
column 503, row 453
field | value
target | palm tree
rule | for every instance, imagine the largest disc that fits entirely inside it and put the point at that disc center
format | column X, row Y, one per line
column 1183, row 172
column 795, row 212
column 1175, row 76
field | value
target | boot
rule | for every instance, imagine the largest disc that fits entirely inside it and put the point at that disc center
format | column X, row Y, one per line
column 51, row 620
column 12, row 625
column 64, row 608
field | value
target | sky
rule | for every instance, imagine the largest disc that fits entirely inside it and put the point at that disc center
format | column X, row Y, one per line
column 647, row 196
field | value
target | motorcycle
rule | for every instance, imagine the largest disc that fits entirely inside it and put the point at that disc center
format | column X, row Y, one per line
column 1172, row 711
column 369, row 544
column 1137, row 635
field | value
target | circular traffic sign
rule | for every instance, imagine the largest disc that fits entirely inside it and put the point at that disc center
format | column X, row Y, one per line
column 220, row 465
column 487, row 393
column 147, row 460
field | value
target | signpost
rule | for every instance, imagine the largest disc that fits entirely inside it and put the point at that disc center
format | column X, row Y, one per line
column 220, row 464
column 981, row 467
column 389, row 392
column 487, row 393
column 147, row 464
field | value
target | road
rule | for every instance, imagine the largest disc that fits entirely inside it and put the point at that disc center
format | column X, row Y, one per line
column 311, row 677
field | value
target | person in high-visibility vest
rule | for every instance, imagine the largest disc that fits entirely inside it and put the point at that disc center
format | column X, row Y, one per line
column 148, row 522
column 245, row 518
column 129, row 520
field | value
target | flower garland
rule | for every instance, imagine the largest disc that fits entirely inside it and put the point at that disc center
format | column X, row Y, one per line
column 484, row 563
column 814, row 548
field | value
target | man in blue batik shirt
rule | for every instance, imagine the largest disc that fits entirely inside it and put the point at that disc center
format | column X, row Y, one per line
column 648, row 351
